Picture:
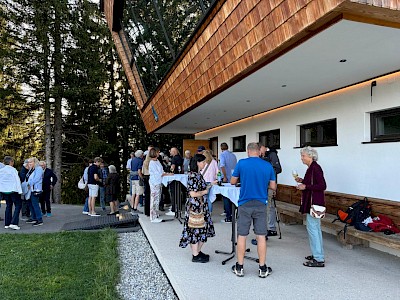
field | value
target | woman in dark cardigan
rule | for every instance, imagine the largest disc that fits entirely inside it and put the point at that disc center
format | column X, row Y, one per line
column 112, row 189
column 312, row 186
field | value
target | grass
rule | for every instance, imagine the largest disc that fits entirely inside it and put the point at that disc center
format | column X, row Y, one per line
column 66, row 265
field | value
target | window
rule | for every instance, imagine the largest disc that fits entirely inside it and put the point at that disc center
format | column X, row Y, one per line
column 318, row 134
column 385, row 125
column 271, row 138
column 239, row 143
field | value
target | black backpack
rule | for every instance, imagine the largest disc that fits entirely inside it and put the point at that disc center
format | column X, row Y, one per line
column 355, row 215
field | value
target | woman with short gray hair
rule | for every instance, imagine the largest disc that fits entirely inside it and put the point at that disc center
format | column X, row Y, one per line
column 312, row 186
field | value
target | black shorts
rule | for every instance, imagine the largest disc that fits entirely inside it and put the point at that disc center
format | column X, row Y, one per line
column 255, row 211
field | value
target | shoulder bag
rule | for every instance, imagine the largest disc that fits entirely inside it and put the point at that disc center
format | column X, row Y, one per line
column 316, row 211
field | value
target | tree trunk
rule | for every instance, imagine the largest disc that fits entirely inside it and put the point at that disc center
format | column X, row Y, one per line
column 58, row 131
column 47, row 109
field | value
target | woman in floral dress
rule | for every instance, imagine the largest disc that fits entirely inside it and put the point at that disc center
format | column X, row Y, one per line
column 197, row 188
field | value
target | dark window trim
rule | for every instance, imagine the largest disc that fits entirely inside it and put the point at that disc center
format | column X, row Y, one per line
column 375, row 138
column 316, row 144
column 243, row 147
column 264, row 133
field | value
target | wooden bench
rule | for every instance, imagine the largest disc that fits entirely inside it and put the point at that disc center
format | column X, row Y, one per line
column 288, row 208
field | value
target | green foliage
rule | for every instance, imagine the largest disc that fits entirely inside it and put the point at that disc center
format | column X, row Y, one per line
column 68, row 265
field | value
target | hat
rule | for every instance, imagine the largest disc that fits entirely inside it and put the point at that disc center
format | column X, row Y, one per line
column 138, row 153
column 201, row 148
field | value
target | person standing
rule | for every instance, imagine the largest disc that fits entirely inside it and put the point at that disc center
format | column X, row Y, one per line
column 93, row 185
column 176, row 168
column 112, row 189
column 49, row 181
column 209, row 172
column 25, row 211
column 312, row 189
column 156, row 173
column 227, row 163
column 256, row 176
column 103, row 173
column 271, row 155
column 136, row 177
column 186, row 161
column 146, row 178
column 10, row 190
column 35, row 183
column 85, row 176
column 195, row 234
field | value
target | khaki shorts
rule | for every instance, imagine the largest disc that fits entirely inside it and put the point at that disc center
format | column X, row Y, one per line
column 136, row 188
column 93, row 190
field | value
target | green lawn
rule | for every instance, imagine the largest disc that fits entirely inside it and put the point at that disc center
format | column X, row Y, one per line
column 67, row 265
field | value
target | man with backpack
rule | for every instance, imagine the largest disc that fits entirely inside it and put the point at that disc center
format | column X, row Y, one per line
column 271, row 155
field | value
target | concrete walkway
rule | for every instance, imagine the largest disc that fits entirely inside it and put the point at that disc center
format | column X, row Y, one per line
column 361, row 273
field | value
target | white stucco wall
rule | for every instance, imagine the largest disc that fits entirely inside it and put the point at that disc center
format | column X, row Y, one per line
column 371, row 170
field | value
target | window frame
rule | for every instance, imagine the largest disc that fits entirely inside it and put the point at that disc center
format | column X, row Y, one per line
column 374, row 117
column 270, row 132
column 321, row 143
column 242, row 140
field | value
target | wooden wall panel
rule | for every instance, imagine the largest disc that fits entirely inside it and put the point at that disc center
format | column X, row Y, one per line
column 237, row 38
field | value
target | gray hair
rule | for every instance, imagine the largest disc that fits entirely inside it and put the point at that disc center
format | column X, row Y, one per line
column 7, row 160
column 112, row 169
column 138, row 153
column 35, row 161
column 311, row 152
column 253, row 146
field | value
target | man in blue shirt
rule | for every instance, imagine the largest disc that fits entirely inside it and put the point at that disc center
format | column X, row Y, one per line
column 256, row 176
column 136, row 177
column 227, row 162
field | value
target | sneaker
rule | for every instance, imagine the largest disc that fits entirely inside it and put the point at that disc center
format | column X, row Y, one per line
column 226, row 220
column 206, row 256
column 134, row 212
column 199, row 259
column 15, row 227
column 254, row 241
column 170, row 213
column 38, row 223
column 30, row 221
column 264, row 271
column 94, row 215
column 6, row 227
column 85, row 212
column 44, row 214
column 272, row 233
column 48, row 214
column 223, row 214
column 24, row 218
column 238, row 270
column 156, row 220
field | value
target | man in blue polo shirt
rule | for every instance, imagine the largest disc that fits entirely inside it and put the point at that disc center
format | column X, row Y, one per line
column 256, row 176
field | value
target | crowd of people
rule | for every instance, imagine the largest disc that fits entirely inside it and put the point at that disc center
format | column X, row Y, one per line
column 27, row 192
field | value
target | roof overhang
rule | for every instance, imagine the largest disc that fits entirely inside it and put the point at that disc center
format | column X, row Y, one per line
column 343, row 54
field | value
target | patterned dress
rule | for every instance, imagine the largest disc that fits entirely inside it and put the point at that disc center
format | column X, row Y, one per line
column 196, row 183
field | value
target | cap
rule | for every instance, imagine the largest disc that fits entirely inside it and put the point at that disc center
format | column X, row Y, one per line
column 201, row 148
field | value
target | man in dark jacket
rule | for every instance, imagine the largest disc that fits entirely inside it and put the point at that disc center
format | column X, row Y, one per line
column 49, row 181
column 271, row 156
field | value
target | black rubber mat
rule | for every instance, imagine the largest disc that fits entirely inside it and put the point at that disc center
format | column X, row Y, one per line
column 107, row 221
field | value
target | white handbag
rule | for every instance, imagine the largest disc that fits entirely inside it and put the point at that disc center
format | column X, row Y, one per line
column 81, row 184
column 317, row 211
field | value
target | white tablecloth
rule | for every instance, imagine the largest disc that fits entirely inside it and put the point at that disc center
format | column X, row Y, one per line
column 182, row 178
column 228, row 190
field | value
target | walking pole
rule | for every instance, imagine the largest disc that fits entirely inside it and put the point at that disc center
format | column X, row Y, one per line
column 277, row 217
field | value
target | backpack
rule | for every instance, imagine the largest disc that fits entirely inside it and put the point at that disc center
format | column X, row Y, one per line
column 355, row 215
column 274, row 160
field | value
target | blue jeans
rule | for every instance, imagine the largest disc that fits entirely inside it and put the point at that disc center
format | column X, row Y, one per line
column 315, row 238
column 227, row 207
column 12, row 199
column 86, row 206
column 36, row 213
column 102, row 191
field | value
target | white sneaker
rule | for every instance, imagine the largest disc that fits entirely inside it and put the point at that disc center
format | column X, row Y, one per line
column 156, row 220
column 15, row 227
column 85, row 212
column 94, row 215
column 6, row 227
column 223, row 214
column 170, row 213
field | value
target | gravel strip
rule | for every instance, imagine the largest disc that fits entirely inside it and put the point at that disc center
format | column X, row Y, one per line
column 141, row 274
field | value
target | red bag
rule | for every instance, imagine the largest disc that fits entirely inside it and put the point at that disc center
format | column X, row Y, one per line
column 383, row 223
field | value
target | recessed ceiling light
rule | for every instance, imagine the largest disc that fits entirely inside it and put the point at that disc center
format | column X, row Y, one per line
column 343, row 60
column 283, row 85
column 247, row 100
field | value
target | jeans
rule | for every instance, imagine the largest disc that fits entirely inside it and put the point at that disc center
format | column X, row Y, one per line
column 102, row 191
column 227, row 207
column 36, row 213
column 26, row 212
column 86, row 206
column 45, row 202
column 315, row 238
column 12, row 199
